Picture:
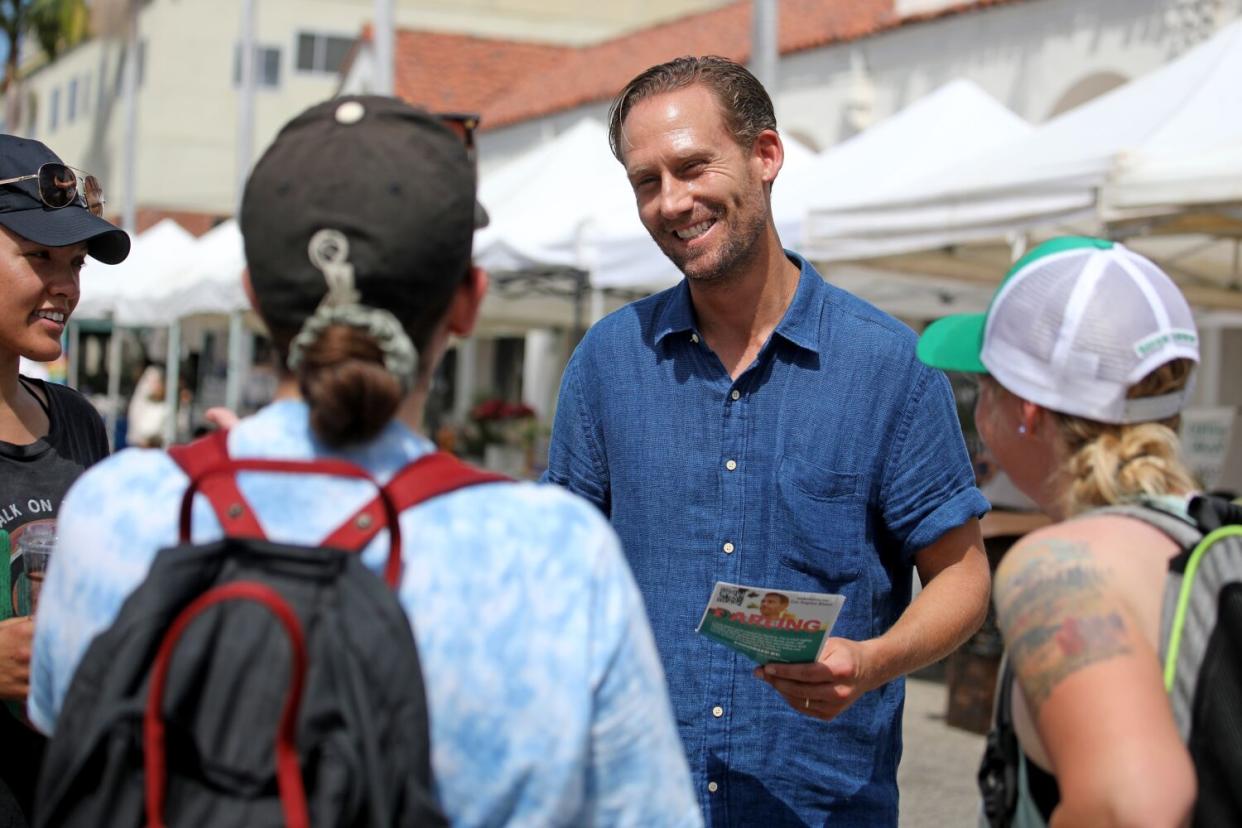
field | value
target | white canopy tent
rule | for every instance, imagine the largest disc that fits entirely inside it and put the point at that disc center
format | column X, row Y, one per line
column 209, row 281
column 1177, row 182
column 952, row 123
column 1051, row 180
column 155, row 258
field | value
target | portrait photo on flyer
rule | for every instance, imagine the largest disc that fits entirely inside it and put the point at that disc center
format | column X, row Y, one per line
column 768, row 624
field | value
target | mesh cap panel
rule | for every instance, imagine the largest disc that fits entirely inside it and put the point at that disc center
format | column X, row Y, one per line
column 1073, row 330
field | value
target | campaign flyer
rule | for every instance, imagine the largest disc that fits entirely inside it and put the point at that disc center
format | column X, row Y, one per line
column 770, row 624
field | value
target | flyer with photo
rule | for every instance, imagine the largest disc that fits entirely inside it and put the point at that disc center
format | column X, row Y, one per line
column 770, row 624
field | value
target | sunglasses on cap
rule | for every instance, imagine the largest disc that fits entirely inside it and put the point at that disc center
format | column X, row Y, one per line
column 463, row 125
column 60, row 185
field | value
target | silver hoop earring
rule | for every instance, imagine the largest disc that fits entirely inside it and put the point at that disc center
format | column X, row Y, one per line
column 1022, row 429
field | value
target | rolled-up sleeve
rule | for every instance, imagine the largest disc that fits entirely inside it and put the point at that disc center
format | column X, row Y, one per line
column 928, row 485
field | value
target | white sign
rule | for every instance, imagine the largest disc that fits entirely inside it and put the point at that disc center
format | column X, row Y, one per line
column 1212, row 446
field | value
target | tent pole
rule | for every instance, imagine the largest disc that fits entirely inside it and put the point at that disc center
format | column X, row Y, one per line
column 464, row 382
column 114, row 382
column 581, row 280
column 1018, row 243
column 233, row 382
column 172, row 381
column 597, row 304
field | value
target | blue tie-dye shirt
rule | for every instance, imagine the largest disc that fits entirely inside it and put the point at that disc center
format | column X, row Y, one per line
column 547, row 701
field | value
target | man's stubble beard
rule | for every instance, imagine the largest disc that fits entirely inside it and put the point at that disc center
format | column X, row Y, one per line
column 735, row 250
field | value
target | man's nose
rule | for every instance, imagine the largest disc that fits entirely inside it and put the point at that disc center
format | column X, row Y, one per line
column 675, row 198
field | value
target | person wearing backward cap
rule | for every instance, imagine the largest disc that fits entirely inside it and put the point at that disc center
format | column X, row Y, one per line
column 358, row 225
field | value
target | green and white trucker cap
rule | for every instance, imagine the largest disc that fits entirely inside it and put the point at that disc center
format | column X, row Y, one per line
column 1074, row 324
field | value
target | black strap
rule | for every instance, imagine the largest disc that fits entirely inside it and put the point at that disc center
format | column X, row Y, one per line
column 1211, row 512
column 35, row 392
column 998, row 772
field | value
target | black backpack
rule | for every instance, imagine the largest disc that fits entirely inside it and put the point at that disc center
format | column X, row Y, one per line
column 248, row 682
column 1200, row 651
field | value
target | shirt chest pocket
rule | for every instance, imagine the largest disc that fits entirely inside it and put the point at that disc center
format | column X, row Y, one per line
column 822, row 518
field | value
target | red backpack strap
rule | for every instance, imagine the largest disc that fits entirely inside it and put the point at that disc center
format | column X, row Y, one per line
column 197, row 459
column 429, row 476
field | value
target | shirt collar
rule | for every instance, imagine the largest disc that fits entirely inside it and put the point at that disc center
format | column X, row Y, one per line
column 799, row 325
column 677, row 315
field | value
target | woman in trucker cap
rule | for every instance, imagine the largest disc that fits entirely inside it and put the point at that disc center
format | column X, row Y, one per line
column 49, row 224
column 1085, row 357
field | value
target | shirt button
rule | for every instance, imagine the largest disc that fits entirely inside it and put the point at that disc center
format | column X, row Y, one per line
column 728, row 548
column 694, row 338
column 730, row 464
column 717, row 711
column 712, row 787
column 736, row 394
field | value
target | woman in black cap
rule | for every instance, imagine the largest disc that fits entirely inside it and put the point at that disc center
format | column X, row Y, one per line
column 49, row 223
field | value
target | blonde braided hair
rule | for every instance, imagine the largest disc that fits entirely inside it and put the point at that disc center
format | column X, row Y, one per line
column 1104, row 464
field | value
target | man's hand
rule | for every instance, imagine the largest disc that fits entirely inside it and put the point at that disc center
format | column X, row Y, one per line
column 824, row 688
column 15, row 637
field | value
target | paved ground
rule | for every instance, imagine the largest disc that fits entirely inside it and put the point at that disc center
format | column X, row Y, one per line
column 937, row 774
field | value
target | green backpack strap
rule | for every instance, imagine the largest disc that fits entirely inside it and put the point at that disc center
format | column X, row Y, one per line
column 1177, row 589
column 1198, row 576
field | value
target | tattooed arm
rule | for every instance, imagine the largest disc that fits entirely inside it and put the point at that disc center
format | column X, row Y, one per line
column 1091, row 680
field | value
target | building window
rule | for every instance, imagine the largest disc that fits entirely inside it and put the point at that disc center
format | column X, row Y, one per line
column 54, row 111
column 86, row 93
column 266, row 66
column 322, row 52
column 71, row 106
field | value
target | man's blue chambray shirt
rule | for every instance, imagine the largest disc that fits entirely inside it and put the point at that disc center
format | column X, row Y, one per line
column 825, row 467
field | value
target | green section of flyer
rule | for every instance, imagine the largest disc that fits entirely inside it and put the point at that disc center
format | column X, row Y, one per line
column 763, row 645
column 770, row 624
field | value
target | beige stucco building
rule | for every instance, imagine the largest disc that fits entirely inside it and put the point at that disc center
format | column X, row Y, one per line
column 188, row 100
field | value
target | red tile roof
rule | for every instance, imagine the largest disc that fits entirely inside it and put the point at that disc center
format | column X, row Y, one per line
column 461, row 73
column 510, row 81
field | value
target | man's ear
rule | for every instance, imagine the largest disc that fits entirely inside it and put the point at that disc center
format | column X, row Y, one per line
column 769, row 153
column 463, row 311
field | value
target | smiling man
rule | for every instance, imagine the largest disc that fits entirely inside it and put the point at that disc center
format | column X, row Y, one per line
column 756, row 425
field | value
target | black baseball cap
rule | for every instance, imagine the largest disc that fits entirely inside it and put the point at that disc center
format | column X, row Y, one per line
column 23, row 212
column 389, row 183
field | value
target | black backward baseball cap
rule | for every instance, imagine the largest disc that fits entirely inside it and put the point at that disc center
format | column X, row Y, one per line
column 23, row 212
column 388, row 179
